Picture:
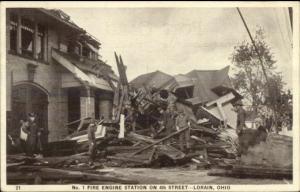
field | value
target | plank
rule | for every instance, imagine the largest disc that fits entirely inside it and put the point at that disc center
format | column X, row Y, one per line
column 198, row 139
column 160, row 140
column 138, row 137
column 120, row 149
column 130, row 159
column 170, row 151
column 203, row 129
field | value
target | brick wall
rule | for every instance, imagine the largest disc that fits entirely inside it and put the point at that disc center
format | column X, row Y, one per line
column 47, row 76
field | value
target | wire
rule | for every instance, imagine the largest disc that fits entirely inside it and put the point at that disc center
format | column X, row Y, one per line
column 287, row 22
column 260, row 59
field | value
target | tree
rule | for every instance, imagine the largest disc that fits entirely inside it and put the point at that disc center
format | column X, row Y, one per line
column 249, row 78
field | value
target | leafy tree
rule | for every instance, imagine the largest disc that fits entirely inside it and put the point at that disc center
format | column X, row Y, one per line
column 248, row 76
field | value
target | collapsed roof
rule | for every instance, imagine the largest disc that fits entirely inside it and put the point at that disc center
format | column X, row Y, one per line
column 155, row 79
column 201, row 86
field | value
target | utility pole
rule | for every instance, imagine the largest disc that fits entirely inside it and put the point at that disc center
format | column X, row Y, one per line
column 291, row 16
column 261, row 63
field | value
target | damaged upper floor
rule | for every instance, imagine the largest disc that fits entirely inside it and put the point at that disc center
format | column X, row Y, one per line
column 33, row 33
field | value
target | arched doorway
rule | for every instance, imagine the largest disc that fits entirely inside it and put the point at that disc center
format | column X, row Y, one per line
column 26, row 98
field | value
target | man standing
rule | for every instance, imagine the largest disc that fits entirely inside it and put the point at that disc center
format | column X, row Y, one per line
column 92, row 141
column 169, row 120
column 181, row 123
column 241, row 117
column 131, row 117
column 32, row 130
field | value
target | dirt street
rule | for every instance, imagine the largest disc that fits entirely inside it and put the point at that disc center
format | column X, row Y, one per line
column 184, row 176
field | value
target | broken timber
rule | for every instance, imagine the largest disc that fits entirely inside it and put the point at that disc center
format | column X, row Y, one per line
column 159, row 141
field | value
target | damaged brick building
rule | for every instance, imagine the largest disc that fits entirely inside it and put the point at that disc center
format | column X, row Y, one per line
column 54, row 70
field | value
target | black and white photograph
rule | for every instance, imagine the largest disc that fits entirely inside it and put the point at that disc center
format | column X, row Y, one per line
column 149, row 96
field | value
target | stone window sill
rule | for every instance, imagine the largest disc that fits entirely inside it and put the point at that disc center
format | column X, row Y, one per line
column 27, row 57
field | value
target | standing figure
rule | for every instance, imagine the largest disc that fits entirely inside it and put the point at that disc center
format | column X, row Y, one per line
column 92, row 141
column 131, row 118
column 159, row 125
column 33, row 132
column 169, row 121
column 181, row 123
column 241, row 116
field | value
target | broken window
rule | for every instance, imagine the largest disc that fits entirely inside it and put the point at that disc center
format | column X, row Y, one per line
column 40, row 42
column 13, row 32
column 27, row 37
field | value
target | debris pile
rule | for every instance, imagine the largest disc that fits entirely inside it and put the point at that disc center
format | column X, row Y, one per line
column 143, row 132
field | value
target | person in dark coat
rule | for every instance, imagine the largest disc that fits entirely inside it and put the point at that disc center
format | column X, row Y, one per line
column 261, row 133
column 33, row 132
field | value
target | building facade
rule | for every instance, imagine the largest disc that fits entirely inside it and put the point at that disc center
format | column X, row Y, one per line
column 53, row 69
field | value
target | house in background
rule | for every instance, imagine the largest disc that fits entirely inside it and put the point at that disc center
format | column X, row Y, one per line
column 53, row 69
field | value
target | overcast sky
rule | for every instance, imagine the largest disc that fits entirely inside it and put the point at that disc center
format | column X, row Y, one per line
column 178, row 40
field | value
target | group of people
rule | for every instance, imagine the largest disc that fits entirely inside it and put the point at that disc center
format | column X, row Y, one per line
column 33, row 138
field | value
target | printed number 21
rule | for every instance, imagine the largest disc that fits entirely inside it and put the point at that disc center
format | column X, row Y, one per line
column 18, row 188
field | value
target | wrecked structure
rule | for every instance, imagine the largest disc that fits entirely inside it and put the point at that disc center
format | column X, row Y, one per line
column 57, row 73
column 54, row 69
column 209, row 92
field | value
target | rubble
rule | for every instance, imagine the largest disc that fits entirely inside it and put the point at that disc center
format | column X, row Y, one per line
column 145, row 142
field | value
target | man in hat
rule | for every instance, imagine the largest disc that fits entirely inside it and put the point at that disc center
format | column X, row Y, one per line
column 182, row 122
column 33, row 132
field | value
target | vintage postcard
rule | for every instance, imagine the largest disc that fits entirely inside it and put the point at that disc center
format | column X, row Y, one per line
column 149, row 96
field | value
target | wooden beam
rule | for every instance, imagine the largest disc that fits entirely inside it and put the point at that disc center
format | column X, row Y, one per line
column 159, row 141
column 123, row 71
column 138, row 137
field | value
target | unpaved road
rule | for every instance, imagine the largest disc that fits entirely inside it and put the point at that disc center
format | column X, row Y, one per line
column 184, row 176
